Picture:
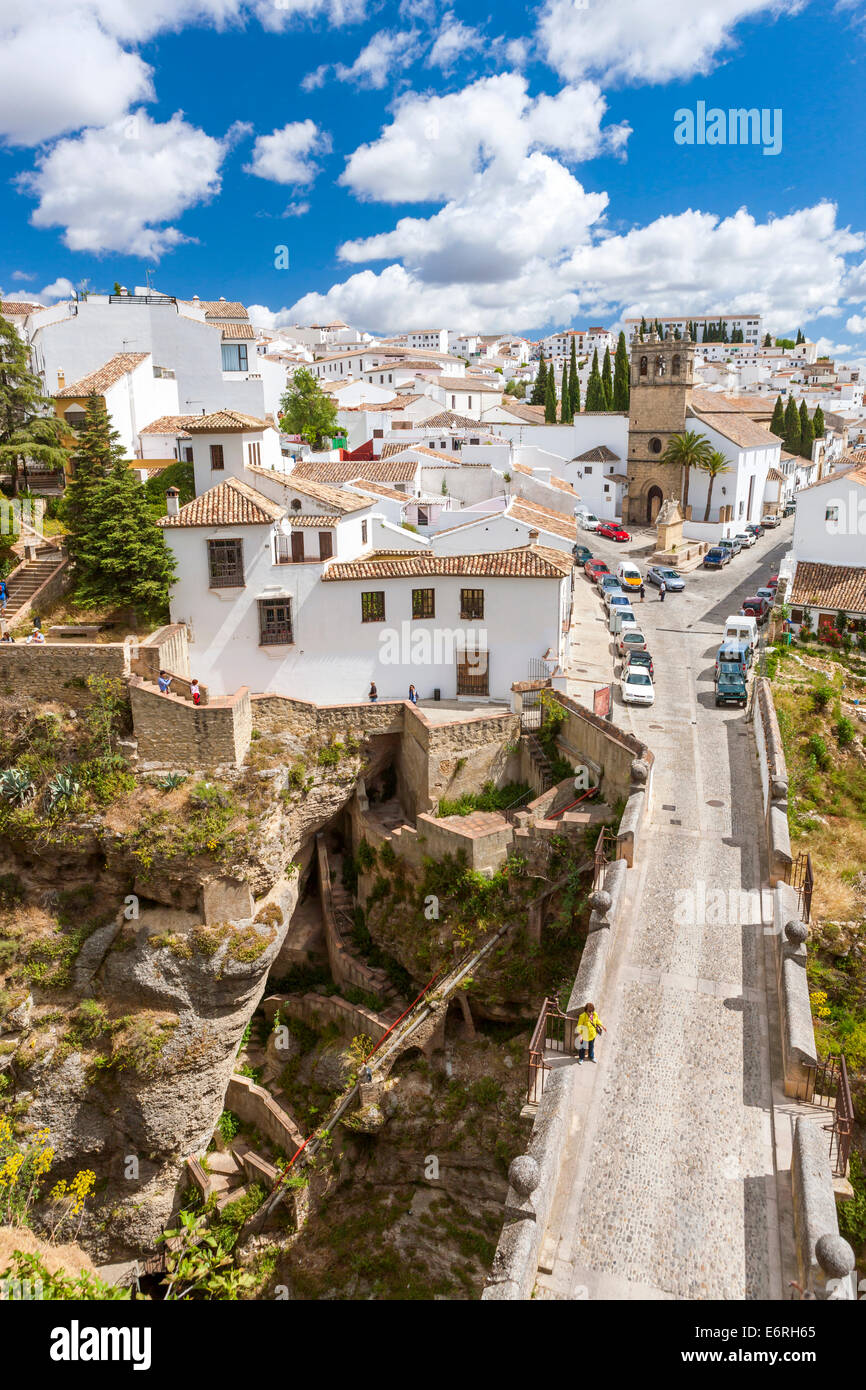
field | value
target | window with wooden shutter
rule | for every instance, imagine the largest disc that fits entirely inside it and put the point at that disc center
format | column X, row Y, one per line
column 216, row 456
column 326, row 545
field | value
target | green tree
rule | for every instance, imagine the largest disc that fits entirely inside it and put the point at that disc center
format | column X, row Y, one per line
column 768, row 341
column 621, row 375
column 550, row 397
column 807, row 434
column 792, row 427
column 180, row 475
column 306, row 410
column 800, row 337
column 565, row 415
column 539, row 388
column 713, row 465
column 642, row 328
column 28, row 428
column 573, row 382
column 777, row 424
column 818, row 426
column 607, row 381
column 686, row 451
column 118, row 553
column 517, row 389
column 594, row 388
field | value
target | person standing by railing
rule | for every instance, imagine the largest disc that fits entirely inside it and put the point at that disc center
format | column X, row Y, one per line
column 589, row 1025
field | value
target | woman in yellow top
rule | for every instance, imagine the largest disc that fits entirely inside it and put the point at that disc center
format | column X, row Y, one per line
column 589, row 1025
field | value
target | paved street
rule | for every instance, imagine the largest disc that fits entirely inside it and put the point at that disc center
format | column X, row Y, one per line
column 668, row 1187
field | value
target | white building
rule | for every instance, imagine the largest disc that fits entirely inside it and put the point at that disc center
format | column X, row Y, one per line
column 751, row 451
column 134, row 391
column 586, row 342
column 749, row 323
column 422, row 339
column 825, row 565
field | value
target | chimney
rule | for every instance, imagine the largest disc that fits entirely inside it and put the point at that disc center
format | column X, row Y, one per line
column 61, row 378
column 172, row 502
column 533, row 538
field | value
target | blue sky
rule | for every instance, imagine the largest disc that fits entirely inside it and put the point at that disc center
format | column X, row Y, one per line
column 427, row 165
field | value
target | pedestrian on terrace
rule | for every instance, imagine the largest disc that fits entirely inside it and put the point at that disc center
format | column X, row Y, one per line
column 164, row 682
column 663, row 588
column 374, row 694
column 589, row 1025
column 194, row 691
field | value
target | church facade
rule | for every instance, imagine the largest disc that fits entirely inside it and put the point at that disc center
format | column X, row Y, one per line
column 661, row 379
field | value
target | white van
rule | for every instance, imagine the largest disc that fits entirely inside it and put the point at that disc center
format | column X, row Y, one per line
column 588, row 522
column 629, row 575
column 741, row 629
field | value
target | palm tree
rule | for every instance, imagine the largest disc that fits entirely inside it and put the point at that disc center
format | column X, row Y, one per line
column 714, row 464
column 687, row 450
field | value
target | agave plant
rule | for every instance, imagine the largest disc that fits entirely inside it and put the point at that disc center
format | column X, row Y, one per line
column 16, row 786
column 61, row 787
column 171, row 780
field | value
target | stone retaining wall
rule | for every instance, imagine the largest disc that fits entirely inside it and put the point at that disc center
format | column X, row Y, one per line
column 799, row 1052
column 815, row 1210
column 347, row 970
column 605, row 746
column 173, row 733
column 774, row 780
column 58, row 670
column 318, row 1010
column 254, row 1106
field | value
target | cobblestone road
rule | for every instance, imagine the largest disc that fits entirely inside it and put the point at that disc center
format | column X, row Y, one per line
column 668, row 1185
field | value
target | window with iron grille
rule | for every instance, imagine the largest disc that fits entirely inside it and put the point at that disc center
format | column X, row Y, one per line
column 226, row 564
column 472, row 603
column 423, row 603
column 216, row 456
column 373, row 607
column 473, row 673
column 275, row 623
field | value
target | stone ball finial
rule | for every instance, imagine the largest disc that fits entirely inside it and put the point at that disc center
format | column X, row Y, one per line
column 779, row 789
column 835, row 1256
column 524, row 1174
column 600, row 902
column 639, row 771
column 796, row 932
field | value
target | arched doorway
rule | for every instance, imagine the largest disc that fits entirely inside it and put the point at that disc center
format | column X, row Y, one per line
column 653, row 503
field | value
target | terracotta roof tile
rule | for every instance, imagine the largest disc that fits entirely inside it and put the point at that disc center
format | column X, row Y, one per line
column 331, row 497
column 543, row 517
column 446, row 419
column 232, row 503
column 170, row 424
column 236, row 330
column 303, row 519
column 383, row 470
column 839, row 587
column 219, row 308
column 527, row 562
column 105, row 376
column 378, row 489
column 226, row 422
column 736, row 426
column 856, row 474
column 18, row 308
column 469, row 383
column 600, row 454
column 546, row 482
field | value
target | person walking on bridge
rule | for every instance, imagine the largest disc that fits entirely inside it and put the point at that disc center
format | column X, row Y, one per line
column 589, row 1025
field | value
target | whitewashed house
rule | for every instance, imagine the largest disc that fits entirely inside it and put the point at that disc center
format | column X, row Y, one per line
column 826, row 565
column 133, row 390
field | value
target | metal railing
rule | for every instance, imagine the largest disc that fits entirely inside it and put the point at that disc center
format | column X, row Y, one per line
column 554, row 1032
column 828, row 1084
column 802, row 880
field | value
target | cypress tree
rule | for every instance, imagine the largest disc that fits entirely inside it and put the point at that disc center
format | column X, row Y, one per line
column 768, row 341
column 539, row 386
column 621, row 375
column 595, row 391
column 550, row 397
column 818, row 425
column 565, row 397
column 119, row 552
column 642, row 328
column 573, row 383
column 807, row 434
column 777, row 424
column 792, row 427
column 607, row 381
column 800, row 338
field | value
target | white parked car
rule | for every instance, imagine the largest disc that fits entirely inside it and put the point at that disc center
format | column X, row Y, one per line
column 637, row 687
column 746, row 538
column 588, row 521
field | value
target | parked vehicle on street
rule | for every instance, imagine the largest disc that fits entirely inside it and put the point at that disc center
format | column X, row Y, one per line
column 770, row 521
column 636, row 686
column 746, row 539
column 629, row 575
column 741, row 627
column 716, row 559
column 757, row 607
column 755, row 529
column 595, row 570
column 773, row 582
column 731, row 544
column 767, row 593
column 588, row 522
column 789, row 509
column 612, row 532
column 638, row 659
column 736, row 654
column 731, row 689
column 619, row 614
column 630, row 640
column 581, row 554
column 674, row 582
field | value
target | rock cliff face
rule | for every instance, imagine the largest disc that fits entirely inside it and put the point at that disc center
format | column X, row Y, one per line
column 134, row 948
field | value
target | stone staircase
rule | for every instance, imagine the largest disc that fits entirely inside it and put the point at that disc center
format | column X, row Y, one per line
column 540, row 761
column 30, row 575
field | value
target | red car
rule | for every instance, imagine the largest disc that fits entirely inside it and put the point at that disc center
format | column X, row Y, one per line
column 756, row 607
column 773, row 582
column 612, row 532
column 594, row 569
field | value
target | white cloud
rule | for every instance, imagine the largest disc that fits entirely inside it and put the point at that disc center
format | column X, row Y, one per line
column 436, row 144
column 286, row 155
column 316, row 78
column 23, row 275
column 386, row 53
column 856, row 324
column 636, row 42
column 61, row 288
column 454, row 40
column 114, row 188
column 295, row 210
column 65, row 64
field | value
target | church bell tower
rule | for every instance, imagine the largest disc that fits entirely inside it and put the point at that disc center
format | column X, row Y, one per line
column 661, row 381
